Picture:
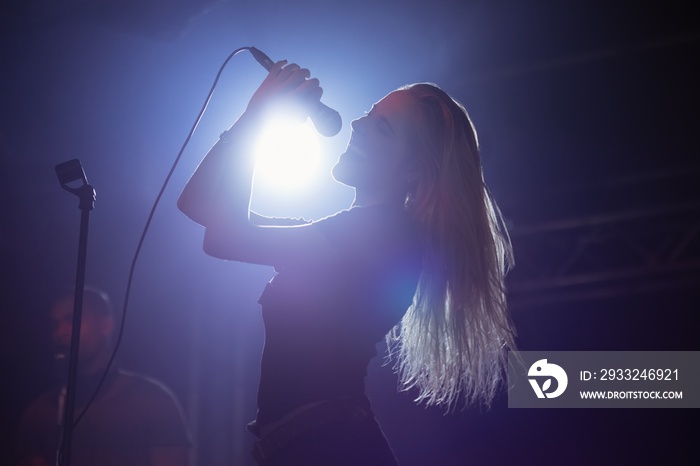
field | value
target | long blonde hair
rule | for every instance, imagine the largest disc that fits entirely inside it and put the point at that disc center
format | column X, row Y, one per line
column 451, row 344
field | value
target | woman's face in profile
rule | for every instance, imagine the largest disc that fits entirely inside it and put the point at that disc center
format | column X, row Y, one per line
column 378, row 153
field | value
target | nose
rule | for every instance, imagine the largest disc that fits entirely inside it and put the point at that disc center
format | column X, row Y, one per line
column 358, row 122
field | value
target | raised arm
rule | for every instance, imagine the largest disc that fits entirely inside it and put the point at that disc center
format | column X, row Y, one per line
column 222, row 181
column 217, row 195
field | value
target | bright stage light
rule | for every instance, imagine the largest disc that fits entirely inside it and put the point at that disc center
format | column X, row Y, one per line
column 287, row 156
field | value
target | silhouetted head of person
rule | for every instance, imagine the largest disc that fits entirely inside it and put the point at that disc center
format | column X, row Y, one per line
column 96, row 329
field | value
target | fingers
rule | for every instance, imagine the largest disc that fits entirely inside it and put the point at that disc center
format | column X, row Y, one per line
column 292, row 78
column 292, row 75
column 286, row 82
column 311, row 88
column 274, row 71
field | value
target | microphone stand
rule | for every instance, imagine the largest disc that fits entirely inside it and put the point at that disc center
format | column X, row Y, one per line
column 68, row 174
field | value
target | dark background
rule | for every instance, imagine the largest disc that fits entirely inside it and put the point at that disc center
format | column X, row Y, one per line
column 588, row 122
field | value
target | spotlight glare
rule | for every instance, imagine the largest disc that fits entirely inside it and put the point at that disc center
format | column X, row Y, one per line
column 287, row 155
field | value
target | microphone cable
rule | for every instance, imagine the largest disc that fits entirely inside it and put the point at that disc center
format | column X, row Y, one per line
column 145, row 231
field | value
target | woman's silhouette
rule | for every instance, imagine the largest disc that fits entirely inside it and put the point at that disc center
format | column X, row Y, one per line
column 419, row 258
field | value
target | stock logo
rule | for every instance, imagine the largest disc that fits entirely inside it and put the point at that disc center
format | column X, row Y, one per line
column 544, row 371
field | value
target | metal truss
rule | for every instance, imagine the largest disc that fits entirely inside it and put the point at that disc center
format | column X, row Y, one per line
column 599, row 256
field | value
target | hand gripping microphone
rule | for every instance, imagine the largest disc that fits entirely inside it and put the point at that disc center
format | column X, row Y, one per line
column 326, row 120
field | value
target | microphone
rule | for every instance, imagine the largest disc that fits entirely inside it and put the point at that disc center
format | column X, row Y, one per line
column 326, row 120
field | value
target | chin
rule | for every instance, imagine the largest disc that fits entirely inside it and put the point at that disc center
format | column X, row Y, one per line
column 344, row 173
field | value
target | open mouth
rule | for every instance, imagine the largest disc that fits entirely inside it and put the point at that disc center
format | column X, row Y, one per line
column 356, row 148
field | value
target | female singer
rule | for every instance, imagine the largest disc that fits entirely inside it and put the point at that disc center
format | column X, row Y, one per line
column 419, row 258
